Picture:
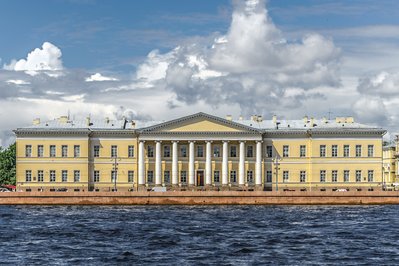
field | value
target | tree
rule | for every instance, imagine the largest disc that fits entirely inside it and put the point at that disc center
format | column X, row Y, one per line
column 7, row 165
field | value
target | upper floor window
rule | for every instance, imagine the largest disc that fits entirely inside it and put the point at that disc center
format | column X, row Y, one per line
column 76, row 151
column 334, row 176
column 358, row 175
column 322, row 175
column 166, row 151
column 268, row 176
column 40, row 151
column 28, row 150
column 370, row 175
column 358, row 150
column 250, row 151
column 302, row 151
column 322, row 150
column 130, row 152
column 28, row 175
column 76, row 176
column 150, row 151
column 114, row 151
column 302, row 176
column 346, row 175
column 130, row 176
column 64, row 175
column 334, row 150
column 346, row 150
column 370, row 151
column 233, row 151
column 216, row 151
column 52, row 150
column 96, row 151
column 64, row 151
column 200, row 151
column 269, row 151
column 52, row 175
column 285, row 151
column 183, row 151
column 40, row 176
column 285, row 176
column 96, row 176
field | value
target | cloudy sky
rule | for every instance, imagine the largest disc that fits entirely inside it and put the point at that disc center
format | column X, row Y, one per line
column 161, row 59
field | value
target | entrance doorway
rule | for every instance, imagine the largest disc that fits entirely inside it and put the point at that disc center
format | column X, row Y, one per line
column 200, row 178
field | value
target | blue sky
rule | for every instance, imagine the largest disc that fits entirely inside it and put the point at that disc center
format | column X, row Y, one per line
column 122, row 58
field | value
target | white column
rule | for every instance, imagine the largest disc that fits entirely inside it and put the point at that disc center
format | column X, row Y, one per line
column 175, row 158
column 191, row 170
column 208, row 164
column 258, row 166
column 158, row 163
column 241, row 165
column 225, row 175
column 141, row 163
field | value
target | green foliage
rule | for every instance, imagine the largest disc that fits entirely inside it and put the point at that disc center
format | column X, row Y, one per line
column 7, row 165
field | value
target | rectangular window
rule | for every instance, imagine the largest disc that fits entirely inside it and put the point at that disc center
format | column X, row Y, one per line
column 64, row 151
column 233, row 151
column 302, row 151
column 28, row 150
column 166, row 177
column 302, row 176
column 183, row 177
column 250, row 151
column 76, row 176
column 52, row 150
column 334, row 150
column 286, row 151
column 114, row 151
column 130, row 152
column 200, row 151
column 370, row 151
column 130, row 176
column 370, row 176
column 216, row 176
column 52, row 175
column 183, row 151
column 40, row 151
column 150, row 177
column 358, row 150
column 150, row 151
column 269, row 151
column 76, row 151
column 250, row 176
column 114, row 176
column 334, row 176
column 96, row 151
column 285, row 176
column 233, row 177
column 268, row 176
column 346, row 150
column 40, row 176
column 346, row 175
column 166, row 151
column 64, row 175
column 358, row 175
column 216, row 151
column 28, row 175
column 96, row 176
column 322, row 150
column 322, row 175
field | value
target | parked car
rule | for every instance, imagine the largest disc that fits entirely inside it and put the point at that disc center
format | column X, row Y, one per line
column 2, row 189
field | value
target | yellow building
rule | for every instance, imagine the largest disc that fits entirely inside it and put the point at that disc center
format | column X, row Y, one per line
column 389, row 166
column 199, row 151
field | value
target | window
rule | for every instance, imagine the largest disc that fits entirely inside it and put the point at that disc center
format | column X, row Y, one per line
column 358, row 175
column 28, row 151
column 114, row 176
column 52, row 150
column 250, row 176
column 250, row 151
column 76, row 176
column 302, row 176
column 370, row 176
column 52, row 175
column 200, row 151
column 130, row 151
column 40, row 151
column 322, row 175
column 346, row 150
column 183, row 151
column 346, row 175
column 166, row 177
column 40, row 176
column 285, row 176
column 370, row 151
column 183, row 177
column 150, row 177
column 64, row 175
column 269, row 151
column 76, row 151
column 96, row 151
column 166, row 151
column 64, row 151
column 216, row 176
column 334, row 151
column 268, row 176
column 216, row 151
column 233, row 177
column 130, row 176
column 285, row 151
column 28, row 175
column 322, row 150
column 233, row 151
column 114, row 151
column 302, row 151
column 96, row 176
column 334, row 176
column 150, row 151
column 358, row 150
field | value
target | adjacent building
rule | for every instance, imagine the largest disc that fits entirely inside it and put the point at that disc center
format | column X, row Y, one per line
column 199, row 152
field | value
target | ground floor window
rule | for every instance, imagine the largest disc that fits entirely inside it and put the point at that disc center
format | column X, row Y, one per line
column 346, row 175
column 28, row 175
column 114, row 176
column 250, row 176
column 166, row 177
column 96, row 176
column 40, row 176
column 302, row 176
column 150, row 177
column 322, row 175
column 216, row 176
column 285, row 176
column 76, row 176
column 130, row 176
column 370, row 176
column 233, row 177
column 268, row 176
column 64, row 175
column 183, row 177
column 52, row 175
column 334, row 176
column 358, row 175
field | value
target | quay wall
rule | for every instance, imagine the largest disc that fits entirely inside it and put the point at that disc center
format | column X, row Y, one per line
column 201, row 198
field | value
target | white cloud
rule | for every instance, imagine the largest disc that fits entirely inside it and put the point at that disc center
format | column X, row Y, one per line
column 384, row 84
column 371, row 109
column 17, row 82
column 99, row 77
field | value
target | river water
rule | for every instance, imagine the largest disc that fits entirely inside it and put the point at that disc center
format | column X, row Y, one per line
column 199, row 235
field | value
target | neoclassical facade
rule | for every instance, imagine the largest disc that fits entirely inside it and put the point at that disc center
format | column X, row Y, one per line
column 199, row 152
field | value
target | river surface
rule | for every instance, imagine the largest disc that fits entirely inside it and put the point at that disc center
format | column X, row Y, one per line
column 199, row 235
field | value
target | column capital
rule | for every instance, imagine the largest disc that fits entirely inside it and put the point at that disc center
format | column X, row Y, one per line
column 208, row 141
column 191, row 141
column 261, row 141
column 242, row 141
column 158, row 141
column 225, row 141
column 175, row 141
column 143, row 141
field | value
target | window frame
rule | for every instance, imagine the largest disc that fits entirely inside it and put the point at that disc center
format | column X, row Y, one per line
column 52, row 151
column 286, row 151
column 28, row 151
column 64, row 151
column 130, row 151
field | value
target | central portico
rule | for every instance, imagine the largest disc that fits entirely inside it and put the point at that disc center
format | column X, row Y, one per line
column 200, row 151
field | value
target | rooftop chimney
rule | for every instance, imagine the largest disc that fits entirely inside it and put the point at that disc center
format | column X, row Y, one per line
column 36, row 121
column 229, row 117
column 274, row 119
column 133, row 124
column 88, row 121
column 305, row 119
column 63, row 119
column 259, row 118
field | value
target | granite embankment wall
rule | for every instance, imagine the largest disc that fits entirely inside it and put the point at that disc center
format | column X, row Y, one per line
column 200, row 198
